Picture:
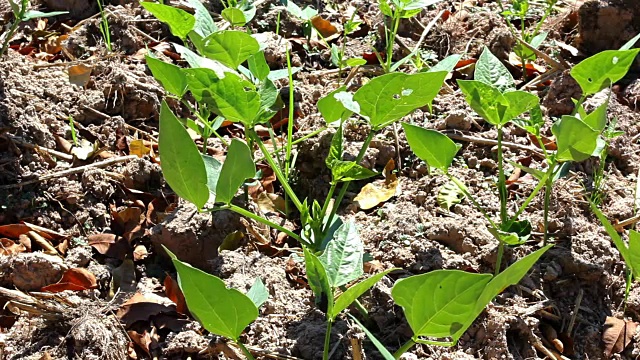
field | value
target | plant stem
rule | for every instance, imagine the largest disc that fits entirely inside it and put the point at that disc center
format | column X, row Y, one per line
column 395, row 23
column 345, row 186
column 205, row 122
column 246, row 351
column 249, row 214
column 536, row 190
column 404, row 348
column 502, row 186
column 583, row 97
column 628, row 279
column 499, row 257
column 291, row 114
column 13, row 28
column 276, row 170
column 327, row 341
column 473, row 200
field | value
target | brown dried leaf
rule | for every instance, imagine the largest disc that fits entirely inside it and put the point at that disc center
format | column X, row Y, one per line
column 110, row 245
column 173, row 292
column 617, row 335
column 324, row 27
column 141, row 308
column 379, row 191
column 9, row 247
column 138, row 148
column 80, row 74
column 271, row 203
column 140, row 252
column 76, row 279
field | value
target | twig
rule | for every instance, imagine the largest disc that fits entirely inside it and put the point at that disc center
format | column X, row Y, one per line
column 575, row 312
column 548, row 59
column 79, row 169
column 39, row 148
column 461, row 137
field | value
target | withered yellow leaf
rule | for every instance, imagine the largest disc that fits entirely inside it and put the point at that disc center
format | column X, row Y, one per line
column 137, row 147
column 379, row 191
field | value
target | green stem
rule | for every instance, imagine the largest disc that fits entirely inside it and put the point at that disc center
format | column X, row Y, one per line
column 404, row 348
column 391, row 40
column 502, row 182
column 13, row 28
column 291, row 114
column 541, row 184
column 279, row 175
column 575, row 109
column 246, row 351
column 327, row 341
column 345, row 186
column 296, row 142
column 249, row 214
column 628, row 279
column 475, row 203
column 499, row 258
column 205, row 122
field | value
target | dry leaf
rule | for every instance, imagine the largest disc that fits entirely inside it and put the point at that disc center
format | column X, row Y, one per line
column 142, row 307
column 9, row 247
column 173, row 292
column 232, row 241
column 270, row 203
column 13, row 231
column 85, row 149
column 79, row 74
column 137, row 147
column 379, row 191
column 324, row 27
column 140, row 252
column 110, row 245
column 76, row 279
column 143, row 340
column 617, row 334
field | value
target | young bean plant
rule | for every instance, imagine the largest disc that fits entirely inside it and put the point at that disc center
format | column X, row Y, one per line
column 22, row 13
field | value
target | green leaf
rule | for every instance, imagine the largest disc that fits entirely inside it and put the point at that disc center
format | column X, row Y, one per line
column 432, row 147
column 449, row 195
column 182, row 165
column 204, row 25
column 603, row 69
column 629, row 44
column 389, row 97
column 350, row 171
column 634, row 253
column 491, row 71
column 230, row 47
column 213, row 168
column 485, row 99
column 597, row 120
column 447, row 64
column 342, row 259
column 180, row 22
column 385, row 9
column 280, row 74
column 258, row 66
column 335, row 151
column 237, row 167
column 232, row 97
column 196, row 61
column 576, row 140
column 353, row 293
column 332, row 108
column 296, row 11
column 629, row 258
column 407, row 5
column 34, row 14
column 220, row 310
column 440, row 303
column 519, row 103
column 355, row 62
column 234, row 16
column 170, row 76
column 381, row 349
column 318, row 281
column 258, row 293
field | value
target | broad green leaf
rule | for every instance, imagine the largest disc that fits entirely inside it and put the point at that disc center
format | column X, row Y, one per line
column 230, row 47
column 351, row 294
column 331, row 108
column 447, row 64
column 196, row 61
column 629, row 44
column 335, row 150
column 296, row 11
column 282, row 73
column 234, row 16
column 506, row 237
column 350, row 171
column 15, row 8
column 519, row 102
column 432, row 147
column 407, row 5
column 182, row 165
column 576, row 140
column 34, row 14
column 318, row 281
column 629, row 258
column 438, row 304
column 342, row 259
column 485, row 99
column 597, row 120
column 258, row 66
column 355, row 62
column 204, row 25
column 170, row 76
column 237, row 167
column 220, row 310
column 232, row 97
column 213, row 168
column 269, row 95
column 603, row 69
column 491, row 71
column 449, row 195
column 381, row 349
column 389, row 97
column 258, row 293
column 634, row 253
column 385, row 9
column 180, row 22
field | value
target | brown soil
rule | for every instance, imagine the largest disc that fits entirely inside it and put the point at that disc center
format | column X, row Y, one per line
column 411, row 231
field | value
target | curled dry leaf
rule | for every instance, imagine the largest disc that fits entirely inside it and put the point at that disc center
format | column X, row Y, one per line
column 173, row 292
column 617, row 335
column 140, row 252
column 76, row 279
column 324, row 27
column 139, row 148
column 9, row 247
column 379, row 191
column 80, row 74
column 143, row 307
column 110, row 245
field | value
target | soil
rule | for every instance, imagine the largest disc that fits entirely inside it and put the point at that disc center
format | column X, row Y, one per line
column 128, row 202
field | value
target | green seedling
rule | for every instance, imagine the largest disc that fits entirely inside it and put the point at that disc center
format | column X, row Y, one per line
column 338, row 52
column 397, row 10
column 22, row 13
column 220, row 310
column 238, row 13
column 630, row 253
column 104, row 26
column 339, row 265
column 305, row 15
column 74, row 135
column 443, row 304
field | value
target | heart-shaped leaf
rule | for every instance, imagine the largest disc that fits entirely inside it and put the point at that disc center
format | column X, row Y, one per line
column 180, row 22
column 603, row 69
column 343, row 257
column 237, row 167
column 432, row 147
column 230, row 47
column 576, row 140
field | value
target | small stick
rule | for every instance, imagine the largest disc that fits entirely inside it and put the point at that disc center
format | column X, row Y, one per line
column 575, row 312
column 630, row 221
column 538, row 345
column 40, row 148
column 545, row 57
column 461, row 137
column 79, row 169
